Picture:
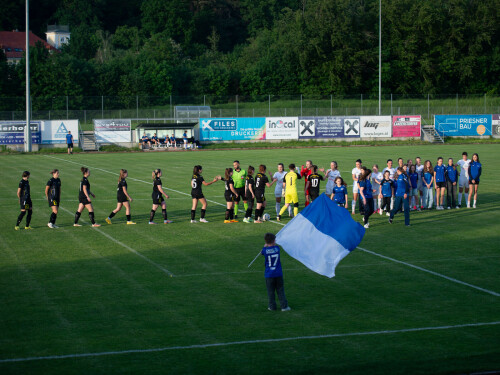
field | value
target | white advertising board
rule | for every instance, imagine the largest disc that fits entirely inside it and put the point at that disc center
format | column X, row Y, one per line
column 376, row 126
column 113, row 130
column 55, row 131
column 282, row 127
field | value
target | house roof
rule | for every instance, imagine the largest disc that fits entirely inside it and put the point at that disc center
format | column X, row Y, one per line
column 14, row 42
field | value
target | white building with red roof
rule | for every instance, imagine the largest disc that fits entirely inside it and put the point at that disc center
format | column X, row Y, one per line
column 13, row 44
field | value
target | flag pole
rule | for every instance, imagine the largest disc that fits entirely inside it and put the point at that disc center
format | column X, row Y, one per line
column 254, row 259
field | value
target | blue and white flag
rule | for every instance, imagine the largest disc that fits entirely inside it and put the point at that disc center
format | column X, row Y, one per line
column 321, row 235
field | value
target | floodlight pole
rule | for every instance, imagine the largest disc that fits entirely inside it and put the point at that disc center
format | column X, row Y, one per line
column 379, row 57
column 27, row 129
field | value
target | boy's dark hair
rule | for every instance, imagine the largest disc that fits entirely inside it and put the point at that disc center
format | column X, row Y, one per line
column 359, row 161
column 440, row 158
column 465, row 153
column 291, row 166
column 26, row 174
column 388, row 160
column 269, row 238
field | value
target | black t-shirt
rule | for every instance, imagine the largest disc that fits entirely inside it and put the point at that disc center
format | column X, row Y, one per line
column 260, row 182
column 54, row 185
column 24, row 185
column 84, row 182
column 122, row 184
column 249, row 181
column 196, row 182
column 228, row 183
column 314, row 180
column 156, row 183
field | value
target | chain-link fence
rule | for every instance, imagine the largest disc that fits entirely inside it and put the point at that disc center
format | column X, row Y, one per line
column 148, row 108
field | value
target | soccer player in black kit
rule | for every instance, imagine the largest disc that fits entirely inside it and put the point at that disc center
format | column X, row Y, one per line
column 230, row 195
column 23, row 193
column 84, row 199
column 158, row 200
column 122, row 197
column 249, row 194
column 53, row 195
column 196, row 193
column 312, row 184
column 261, row 181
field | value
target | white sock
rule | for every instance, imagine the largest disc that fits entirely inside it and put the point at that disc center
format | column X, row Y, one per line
column 353, row 205
column 474, row 202
column 379, row 202
column 466, row 197
column 278, row 208
column 459, row 199
column 290, row 208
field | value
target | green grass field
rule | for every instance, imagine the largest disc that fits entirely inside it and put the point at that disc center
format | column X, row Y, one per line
column 417, row 300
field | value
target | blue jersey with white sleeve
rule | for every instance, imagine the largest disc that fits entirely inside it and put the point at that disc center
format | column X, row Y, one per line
column 69, row 138
column 272, row 261
column 451, row 173
column 439, row 171
column 340, row 193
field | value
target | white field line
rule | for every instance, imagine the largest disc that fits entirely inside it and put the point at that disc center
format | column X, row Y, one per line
column 431, row 272
column 164, row 270
column 362, row 249
column 246, row 342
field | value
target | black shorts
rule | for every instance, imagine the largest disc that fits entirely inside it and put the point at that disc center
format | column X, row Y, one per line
column 314, row 195
column 440, row 184
column 229, row 197
column 121, row 198
column 476, row 183
column 259, row 197
column 26, row 204
column 241, row 194
column 197, row 195
column 249, row 198
column 158, row 199
column 83, row 201
column 70, row 145
column 53, row 203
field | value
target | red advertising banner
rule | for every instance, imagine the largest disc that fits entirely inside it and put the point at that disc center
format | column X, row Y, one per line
column 406, row 126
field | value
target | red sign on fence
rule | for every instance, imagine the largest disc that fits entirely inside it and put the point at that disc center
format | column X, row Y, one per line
column 406, row 126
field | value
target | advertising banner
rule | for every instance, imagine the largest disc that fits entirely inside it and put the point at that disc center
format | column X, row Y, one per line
column 282, row 127
column 463, row 125
column 328, row 127
column 55, row 131
column 12, row 132
column 232, row 129
column 406, row 126
column 495, row 125
column 113, row 131
column 376, row 126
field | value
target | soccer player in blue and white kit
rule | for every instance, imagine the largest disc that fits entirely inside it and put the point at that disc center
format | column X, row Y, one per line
column 475, row 170
column 331, row 175
column 451, row 184
column 463, row 180
column 440, row 180
column 274, row 273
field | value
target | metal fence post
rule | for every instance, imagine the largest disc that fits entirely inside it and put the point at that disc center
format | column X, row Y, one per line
column 102, row 106
column 269, row 105
column 67, row 108
column 456, row 106
column 391, row 104
column 428, row 107
column 361, row 104
column 301, row 104
column 137, row 106
column 236, row 105
column 485, row 110
column 170, row 106
column 85, row 116
column 331, row 105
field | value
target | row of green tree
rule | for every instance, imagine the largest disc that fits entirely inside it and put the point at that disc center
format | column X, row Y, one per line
column 254, row 47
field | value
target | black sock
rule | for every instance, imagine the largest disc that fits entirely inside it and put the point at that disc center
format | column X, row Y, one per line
column 193, row 213
column 248, row 213
column 257, row 213
column 129, row 217
column 164, row 213
column 55, row 218
column 91, row 216
column 28, row 218
column 52, row 218
column 20, row 218
column 151, row 215
column 203, row 213
column 111, row 214
column 231, row 213
column 77, row 216
column 227, row 214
